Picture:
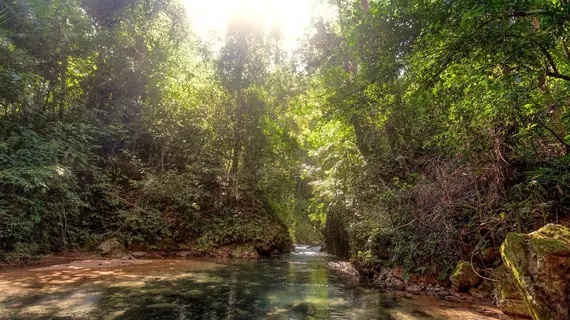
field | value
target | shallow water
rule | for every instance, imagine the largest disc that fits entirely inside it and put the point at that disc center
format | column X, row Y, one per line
column 296, row 286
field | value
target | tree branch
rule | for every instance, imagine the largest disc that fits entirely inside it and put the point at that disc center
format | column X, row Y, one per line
column 565, row 48
column 558, row 75
column 555, row 135
column 550, row 60
column 521, row 13
column 554, row 73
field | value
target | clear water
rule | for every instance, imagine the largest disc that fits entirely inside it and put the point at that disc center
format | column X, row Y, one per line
column 296, row 286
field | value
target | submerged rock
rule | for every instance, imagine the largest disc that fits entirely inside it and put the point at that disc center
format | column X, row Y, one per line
column 111, row 247
column 464, row 277
column 540, row 265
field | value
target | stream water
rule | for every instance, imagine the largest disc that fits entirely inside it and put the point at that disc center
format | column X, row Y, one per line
column 295, row 286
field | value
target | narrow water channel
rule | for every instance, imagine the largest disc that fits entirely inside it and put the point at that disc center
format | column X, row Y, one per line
column 296, row 286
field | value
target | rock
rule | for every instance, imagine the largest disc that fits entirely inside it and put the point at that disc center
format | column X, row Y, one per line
column 514, row 308
column 476, row 293
column 430, row 289
column 345, row 267
column 385, row 279
column 482, row 292
column 506, row 297
column 464, row 277
column 540, row 265
column 385, row 273
column 414, row 287
column 280, row 243
column 398, row 272
column 138, row 254
column 111, row 247
column 185, row 254
column 444, row 293
column 396, row 284
column 127, row 256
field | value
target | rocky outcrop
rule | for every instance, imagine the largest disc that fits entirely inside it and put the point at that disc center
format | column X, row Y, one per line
column 539, row 263
column 464, row 277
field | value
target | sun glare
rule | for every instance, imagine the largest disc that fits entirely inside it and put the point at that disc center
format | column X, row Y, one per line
column 292, row 17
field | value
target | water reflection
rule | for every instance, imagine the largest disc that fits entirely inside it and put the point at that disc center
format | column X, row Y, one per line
column 299, row 286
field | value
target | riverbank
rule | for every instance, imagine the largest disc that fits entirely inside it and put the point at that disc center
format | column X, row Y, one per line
column 393, row 280
column 95, row 259
column 113, row 248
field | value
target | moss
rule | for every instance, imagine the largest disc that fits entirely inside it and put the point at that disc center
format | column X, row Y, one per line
column 461, row 267
column 554, row 231
column 513, row 252
column 464, row 277
column 544, row 246
column 537, row 270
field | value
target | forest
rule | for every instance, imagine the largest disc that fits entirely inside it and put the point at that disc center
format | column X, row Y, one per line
column 410, row 133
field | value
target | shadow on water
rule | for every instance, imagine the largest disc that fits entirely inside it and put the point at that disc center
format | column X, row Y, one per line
column 297, row 286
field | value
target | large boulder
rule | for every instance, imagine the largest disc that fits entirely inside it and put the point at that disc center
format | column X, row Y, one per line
column 506, row 295
column 464, row 277
column 540, row 265
column 112, row 247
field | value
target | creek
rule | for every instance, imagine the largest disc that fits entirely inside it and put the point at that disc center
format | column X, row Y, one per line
column 299, row 285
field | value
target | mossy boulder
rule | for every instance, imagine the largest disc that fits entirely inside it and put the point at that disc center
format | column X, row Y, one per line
column 464, row 277
column 506, row 295
column 539, row 263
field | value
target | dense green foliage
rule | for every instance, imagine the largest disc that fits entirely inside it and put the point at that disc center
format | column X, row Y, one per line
column 411, row 132
column 117, row 122
column 450, row 125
